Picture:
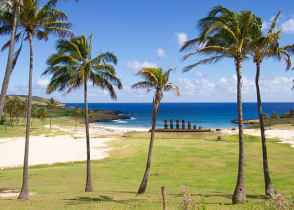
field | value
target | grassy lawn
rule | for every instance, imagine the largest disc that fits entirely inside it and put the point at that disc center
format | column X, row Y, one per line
column 206, row 168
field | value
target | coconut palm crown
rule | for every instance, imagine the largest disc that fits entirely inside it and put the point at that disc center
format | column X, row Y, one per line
column 73, row 65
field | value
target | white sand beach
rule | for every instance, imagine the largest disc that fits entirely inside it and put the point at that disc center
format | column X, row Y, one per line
column 56, row 149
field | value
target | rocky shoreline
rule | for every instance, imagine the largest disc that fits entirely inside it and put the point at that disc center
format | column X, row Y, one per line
column 246, row 121
column 109, row 116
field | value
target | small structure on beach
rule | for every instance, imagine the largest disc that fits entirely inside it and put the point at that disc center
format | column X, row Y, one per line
column 180, row 128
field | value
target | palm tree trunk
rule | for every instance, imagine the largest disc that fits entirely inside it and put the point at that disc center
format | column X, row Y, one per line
column 5, row 119
column 50, row 121
column 24, row 194
column 10, row 60
column 156, row 103
column 269, row 188
column 76, row 124
column 240, row 193
column 88, row 181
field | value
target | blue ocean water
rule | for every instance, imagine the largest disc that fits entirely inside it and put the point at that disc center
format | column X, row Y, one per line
column 207, row 115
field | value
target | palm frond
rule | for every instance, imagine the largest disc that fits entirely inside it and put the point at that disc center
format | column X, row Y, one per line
column 210, row 60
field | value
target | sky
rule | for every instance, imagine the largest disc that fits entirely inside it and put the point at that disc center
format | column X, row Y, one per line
column 149, row 33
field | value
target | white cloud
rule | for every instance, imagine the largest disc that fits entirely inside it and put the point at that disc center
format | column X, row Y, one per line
column 181, row 38
column 137, row 65
column 225, row 88
column 43, row 82
column 288, row 26
column 161, row 53
column 199, row 74
column 265, row 25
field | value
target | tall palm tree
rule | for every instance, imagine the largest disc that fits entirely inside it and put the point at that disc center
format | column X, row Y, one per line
column 51, row 105
column 157, row 79
column 9, row 15
column 266, row 46
column 73, row 67
column 39, row 22
column 226, row 34
column 8, row 10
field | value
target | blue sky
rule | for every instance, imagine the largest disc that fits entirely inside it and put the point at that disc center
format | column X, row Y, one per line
column 149, row 33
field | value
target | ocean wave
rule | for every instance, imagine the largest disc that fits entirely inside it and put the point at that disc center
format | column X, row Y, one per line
column 133, row 118
column 120, row 121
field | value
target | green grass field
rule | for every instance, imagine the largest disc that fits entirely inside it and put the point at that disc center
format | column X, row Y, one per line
column 207, row 168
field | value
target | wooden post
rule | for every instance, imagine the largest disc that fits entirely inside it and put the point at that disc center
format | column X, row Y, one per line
column 164, row 202
column 165, row 124
column 189, row 125
column 183, row 124
column 178, row 124
column 171, row 124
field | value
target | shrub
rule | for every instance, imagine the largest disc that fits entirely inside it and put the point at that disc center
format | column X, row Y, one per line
column 274, row 115
column 284, row 115
column 265, row 116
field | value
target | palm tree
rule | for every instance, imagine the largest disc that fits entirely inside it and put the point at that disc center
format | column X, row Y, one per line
column 157, row 79
column 9, row 15
column 51, row 104
column 8, row 10
column 265, row 46
column 73, row 67
column 226, row 34
column 39, row 22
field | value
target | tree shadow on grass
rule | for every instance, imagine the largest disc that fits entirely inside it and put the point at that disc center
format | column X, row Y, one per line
column 101, row 198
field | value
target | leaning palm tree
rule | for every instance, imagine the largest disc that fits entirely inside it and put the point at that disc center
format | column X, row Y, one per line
column 51, row 105
column 8, row 10
column 157, row 79
column 266, row 46
column 226, row 34
column 39, row 22
column 73, row 67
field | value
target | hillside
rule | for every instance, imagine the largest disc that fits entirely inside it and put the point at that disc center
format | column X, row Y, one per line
column 41, row 101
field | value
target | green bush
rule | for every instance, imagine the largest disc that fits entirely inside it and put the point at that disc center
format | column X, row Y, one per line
column 274, row 115
column 265, row 116
column 284, row 115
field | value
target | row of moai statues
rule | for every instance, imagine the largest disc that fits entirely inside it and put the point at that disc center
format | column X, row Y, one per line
column 171, row 125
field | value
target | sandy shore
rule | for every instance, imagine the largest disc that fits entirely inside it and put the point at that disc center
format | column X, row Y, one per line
column 286, row 136
column 57, row 149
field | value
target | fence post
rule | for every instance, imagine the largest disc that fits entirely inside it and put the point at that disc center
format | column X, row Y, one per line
column 164, row 201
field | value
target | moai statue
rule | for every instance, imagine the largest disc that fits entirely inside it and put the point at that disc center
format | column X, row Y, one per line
column 194, row 127
column 183, row 124
column 178, row 124
column 189, row 125
column 165, row 124
column 200, row 127
column 171, row 124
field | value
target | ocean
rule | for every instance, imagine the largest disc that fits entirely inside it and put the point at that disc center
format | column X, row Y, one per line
column 207, row 115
